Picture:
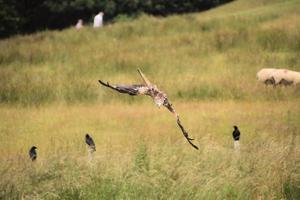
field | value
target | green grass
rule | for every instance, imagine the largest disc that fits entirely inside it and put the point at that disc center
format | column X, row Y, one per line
column 215, row 55
column 205, row 62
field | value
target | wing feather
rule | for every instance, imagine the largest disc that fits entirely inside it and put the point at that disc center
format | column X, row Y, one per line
column 127, row 89
column 148, row 83
column 169, row 106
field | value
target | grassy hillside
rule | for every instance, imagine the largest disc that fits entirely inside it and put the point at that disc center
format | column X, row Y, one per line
column 205, row 62
column 215, row 55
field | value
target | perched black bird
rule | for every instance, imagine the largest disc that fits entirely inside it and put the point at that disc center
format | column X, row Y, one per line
column 89, row 140
column 32, row 153
column 236, row 133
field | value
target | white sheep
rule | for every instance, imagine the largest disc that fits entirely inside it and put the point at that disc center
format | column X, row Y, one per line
column 295, row 77
column 286, row 77
column 265, row 75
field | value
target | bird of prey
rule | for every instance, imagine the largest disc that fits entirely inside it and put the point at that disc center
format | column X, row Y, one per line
column 90, row 142
column 159, row 98
column 32, row 153
column 236, row 133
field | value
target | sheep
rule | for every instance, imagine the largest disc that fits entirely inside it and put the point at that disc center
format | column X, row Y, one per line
column 293, row 76
column 285, row 82
column 285, row 77
column 264, row 75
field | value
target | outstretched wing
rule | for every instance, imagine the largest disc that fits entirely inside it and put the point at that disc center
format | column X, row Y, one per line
column 168, row 105
column 148, row 83
column 127, row 89
column 185, row 133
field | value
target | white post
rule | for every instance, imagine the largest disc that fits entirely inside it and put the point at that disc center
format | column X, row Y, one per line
column 236, row 145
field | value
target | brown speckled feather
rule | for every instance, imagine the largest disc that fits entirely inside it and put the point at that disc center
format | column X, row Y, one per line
column 159, row 97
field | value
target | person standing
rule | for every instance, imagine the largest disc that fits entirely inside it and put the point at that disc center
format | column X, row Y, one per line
column 98, row 20
column 79, row 24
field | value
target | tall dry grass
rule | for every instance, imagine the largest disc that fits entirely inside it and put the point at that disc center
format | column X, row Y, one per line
column 206, row 63
column 142, row 154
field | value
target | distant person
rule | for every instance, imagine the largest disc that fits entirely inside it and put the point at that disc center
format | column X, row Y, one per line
column 236, row 137
column 32, row 153
column 90, row 142
column 98, row 20
column 79, row 24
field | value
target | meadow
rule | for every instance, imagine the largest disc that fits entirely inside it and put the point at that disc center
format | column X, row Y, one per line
column 206, row 63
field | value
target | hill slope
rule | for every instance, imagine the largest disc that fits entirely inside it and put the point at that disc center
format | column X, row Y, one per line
column 215, row 54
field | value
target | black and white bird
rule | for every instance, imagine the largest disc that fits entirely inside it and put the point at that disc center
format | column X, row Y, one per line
column 90, row 142
column 32, row 153
column 159, row 98
column 236, row 137
column 236, row 133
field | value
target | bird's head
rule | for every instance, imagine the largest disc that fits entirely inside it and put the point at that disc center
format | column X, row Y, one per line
column 33, row 147
column 235, row 127
column 87, row 135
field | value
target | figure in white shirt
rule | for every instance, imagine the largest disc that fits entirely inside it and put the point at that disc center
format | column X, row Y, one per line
column 98, row 20
column 79, row 24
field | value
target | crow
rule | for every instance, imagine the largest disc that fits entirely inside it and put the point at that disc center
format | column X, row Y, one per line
column 90, row 142
column 236, row 133
column 32, row 153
